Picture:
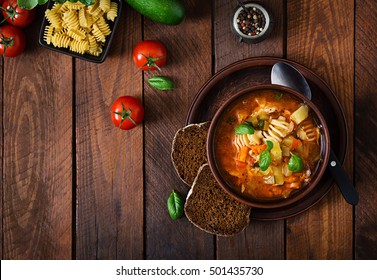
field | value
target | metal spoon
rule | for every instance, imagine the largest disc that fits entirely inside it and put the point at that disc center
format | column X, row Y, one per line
column 285, row 74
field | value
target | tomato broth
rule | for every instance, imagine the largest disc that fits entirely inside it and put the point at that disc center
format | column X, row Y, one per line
column 267, row 145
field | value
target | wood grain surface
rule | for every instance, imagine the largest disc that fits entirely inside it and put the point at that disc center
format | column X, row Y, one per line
column 109, row 161
column 1, row 158
column 37, row 175
column 189, row 65
column 365, row 138
column 321, row 38
column 251, row 243
column 75, row 187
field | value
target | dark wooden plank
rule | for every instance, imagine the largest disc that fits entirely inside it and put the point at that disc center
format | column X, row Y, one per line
column 1, row 157
column 189, row 65
column 252, row 243
column 365, row 150
column 228, row 49
column 320, row 36
column 37, row 175
column 109, row 161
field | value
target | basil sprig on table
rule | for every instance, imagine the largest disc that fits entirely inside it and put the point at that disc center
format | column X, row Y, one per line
column 244, row 129
column 265, row 156
column 175, row 205
column 31, row 4
column 161, row 83
column 295, row 163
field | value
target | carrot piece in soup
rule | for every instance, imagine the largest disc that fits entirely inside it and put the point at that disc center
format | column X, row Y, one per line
column 295, row 143
column 257, row 149
column 240, row 164
column 243, row 154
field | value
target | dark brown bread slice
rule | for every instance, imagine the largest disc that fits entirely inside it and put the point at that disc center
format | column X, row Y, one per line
column 211, row 209
column 189, row 150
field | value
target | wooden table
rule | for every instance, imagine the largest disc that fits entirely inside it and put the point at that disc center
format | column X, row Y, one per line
column 75, row 187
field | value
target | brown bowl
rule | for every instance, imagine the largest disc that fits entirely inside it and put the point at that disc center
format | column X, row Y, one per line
column 295, row 195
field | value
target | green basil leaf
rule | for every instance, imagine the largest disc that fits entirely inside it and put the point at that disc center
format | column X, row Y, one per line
column 278, row 95
column 31, row 4
column 270, row 145
column 161, row 83
column 87, row 2
column 295, row 163
column 27, row 4
column 264, row 160
column 175, row 205
column 244, row 129
column 265, row 156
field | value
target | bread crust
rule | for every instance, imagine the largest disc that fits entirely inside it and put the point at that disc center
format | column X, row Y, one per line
column 185, row 165
column 211, row 209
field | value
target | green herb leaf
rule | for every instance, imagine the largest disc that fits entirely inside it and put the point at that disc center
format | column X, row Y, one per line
column 244, row 129
column 260, row 124
column 295, row 163
column 264, row 160
column 175, row 205
column 31, row 4
column 27, row 4
column 161, row 83
column 270, row 145
column 265, row 156
column 87, row 2
column 279, row 95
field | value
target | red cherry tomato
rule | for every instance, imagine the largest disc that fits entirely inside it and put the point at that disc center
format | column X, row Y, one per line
column 17, row 16
column 127, row 112
column 149, row 55
column 12, row 41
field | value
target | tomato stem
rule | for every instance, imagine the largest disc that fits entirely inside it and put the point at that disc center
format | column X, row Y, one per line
column 7, row 42
column 11, row 12
column 151, row 62
column 126, row 115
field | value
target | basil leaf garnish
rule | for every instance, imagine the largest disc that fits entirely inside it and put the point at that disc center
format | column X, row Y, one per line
column 175, row 205
column 161, row 83
column 278, row 95
column 244, row 129
column 295, row 163
column 265, row 156
column 269, row 145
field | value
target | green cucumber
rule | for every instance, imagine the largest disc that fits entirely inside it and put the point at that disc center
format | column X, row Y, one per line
column 168, row 12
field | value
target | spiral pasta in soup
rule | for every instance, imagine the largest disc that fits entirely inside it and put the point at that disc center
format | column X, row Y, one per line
column 267, row 145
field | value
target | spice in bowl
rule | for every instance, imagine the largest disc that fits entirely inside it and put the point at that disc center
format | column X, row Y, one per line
column 251, row 22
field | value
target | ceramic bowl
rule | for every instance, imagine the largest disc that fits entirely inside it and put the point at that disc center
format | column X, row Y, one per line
column 295, row 195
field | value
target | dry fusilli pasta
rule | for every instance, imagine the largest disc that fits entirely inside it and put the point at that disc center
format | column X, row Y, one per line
column 80, row 28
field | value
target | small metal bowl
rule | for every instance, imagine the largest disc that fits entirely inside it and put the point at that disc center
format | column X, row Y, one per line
column 275, row 202
column 261, row 32
column 87, row 57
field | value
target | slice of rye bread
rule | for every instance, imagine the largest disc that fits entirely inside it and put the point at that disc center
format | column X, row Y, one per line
column 189, row 151
column 213, row 210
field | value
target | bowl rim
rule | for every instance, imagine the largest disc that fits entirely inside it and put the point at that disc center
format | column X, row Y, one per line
column 267, row 203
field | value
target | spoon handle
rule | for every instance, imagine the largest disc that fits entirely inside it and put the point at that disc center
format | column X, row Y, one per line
column 344, row 183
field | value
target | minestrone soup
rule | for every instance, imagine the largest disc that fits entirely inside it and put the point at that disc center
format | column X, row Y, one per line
column 267, row 145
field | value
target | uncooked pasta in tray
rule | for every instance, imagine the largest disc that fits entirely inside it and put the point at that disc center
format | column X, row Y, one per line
column 79, row 28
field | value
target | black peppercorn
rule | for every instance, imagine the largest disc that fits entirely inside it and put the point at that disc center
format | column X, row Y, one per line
column 251, row 22
column 249, row 27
